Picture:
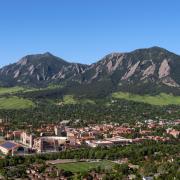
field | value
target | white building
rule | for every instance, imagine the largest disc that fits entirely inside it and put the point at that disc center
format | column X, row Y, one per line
column 49, row 143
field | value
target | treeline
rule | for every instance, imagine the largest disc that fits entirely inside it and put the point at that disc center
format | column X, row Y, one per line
column 119, row 111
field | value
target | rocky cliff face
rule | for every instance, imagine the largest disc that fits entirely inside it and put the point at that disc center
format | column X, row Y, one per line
column 140, row 68
column 39, row 69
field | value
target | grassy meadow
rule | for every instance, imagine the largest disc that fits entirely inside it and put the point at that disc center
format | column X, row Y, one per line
column 15, row 103
column 70, row 99
column 10, row 90
column 161, row 99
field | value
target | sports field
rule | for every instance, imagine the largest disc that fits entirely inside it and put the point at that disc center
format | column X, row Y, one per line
column 85, row 166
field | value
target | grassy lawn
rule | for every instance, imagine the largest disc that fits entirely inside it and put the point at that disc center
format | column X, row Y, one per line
column 15, row 103
column 84, row 166
column 161, row 99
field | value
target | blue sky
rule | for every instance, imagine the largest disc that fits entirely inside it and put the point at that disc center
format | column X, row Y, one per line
column 86, row 30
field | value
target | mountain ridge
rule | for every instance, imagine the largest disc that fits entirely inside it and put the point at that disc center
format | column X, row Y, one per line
column 152, row 69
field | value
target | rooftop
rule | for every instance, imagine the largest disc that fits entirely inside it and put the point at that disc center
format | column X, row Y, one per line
column 9, row 145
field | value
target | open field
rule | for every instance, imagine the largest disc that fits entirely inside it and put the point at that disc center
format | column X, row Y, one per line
column 16, row 89
column 161, row 99
column 69, row 99
column 84, row 166
column 10, row 90
column 15, row 103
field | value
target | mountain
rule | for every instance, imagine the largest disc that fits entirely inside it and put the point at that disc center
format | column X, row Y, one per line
column 39, row 70
column 152, row 70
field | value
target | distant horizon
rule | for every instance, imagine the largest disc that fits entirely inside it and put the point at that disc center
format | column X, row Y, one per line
column 85, row 31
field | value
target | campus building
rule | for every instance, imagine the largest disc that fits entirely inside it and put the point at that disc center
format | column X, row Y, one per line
column 49, row 143
column 11, row 148
column 27, row 139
